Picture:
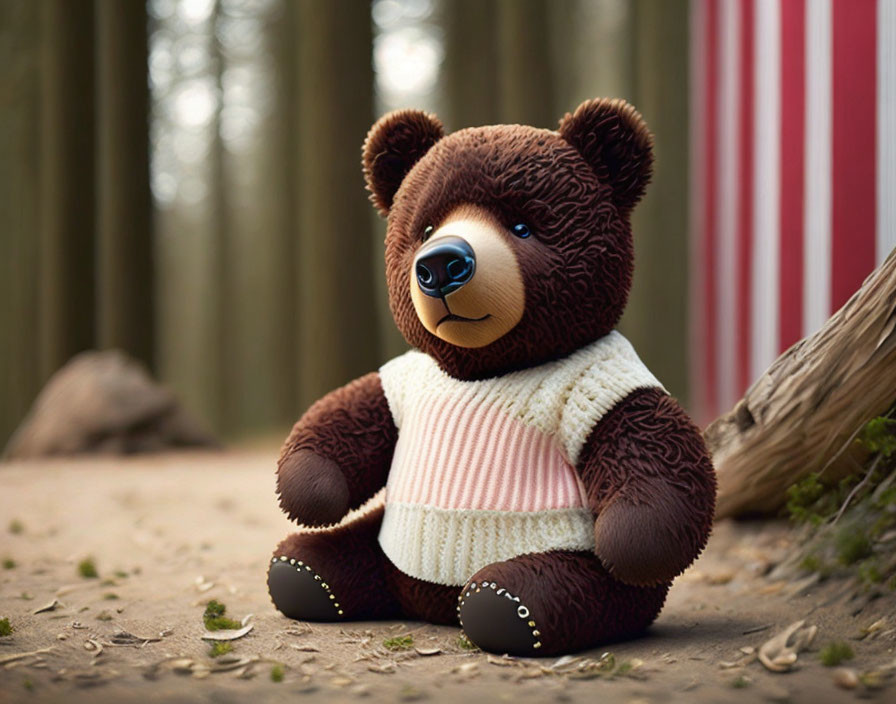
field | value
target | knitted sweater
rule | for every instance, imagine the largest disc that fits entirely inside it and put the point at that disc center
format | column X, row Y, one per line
column 484, row 471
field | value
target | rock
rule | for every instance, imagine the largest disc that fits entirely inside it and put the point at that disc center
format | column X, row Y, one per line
column 104, row 403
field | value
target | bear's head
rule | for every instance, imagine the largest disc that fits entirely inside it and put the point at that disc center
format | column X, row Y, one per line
column 508, row 246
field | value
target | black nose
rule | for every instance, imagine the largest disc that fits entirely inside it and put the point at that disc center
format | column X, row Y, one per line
column 444, row 266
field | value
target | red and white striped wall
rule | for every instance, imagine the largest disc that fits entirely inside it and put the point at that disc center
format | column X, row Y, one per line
column 793, row 192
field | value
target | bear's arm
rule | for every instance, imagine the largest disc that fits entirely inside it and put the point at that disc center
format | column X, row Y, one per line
column 338, row 454
column 651, row 485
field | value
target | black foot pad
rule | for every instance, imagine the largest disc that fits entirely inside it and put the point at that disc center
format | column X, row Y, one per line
column 497, row 621
column 300, row 593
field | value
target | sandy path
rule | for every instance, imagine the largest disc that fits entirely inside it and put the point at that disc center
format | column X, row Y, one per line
column 176, row 524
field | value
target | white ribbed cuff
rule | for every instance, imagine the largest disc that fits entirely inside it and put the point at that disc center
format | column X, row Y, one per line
column 447, row 546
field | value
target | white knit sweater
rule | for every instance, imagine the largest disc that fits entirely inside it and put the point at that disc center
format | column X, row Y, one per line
column 485, row 470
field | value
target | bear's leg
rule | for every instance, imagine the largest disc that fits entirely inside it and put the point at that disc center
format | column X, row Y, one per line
column 422, row 600
column 332, row 574
column 551, row 603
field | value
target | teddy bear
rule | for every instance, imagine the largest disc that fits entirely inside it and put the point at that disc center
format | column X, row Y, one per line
column 519, row 472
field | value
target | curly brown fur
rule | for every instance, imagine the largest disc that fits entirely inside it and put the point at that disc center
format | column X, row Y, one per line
column 422, row 600
column 576, row 266
column 351, row 428
column 574, row 602
column 312, row 489
column 349, row 559
column 613, row 139
column 393, row 145
column 651, row 484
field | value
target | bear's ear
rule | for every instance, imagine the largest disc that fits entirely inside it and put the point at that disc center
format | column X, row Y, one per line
column 613, row 138
column 394, row 144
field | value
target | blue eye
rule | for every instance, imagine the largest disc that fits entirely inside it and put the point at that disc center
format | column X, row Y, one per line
column 521, row 230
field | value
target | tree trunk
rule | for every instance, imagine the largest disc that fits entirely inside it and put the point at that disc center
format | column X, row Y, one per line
column 125, row 256
column 526, row 63
column 221, row 355
column 657, row 312
column 67, row 193
column 338, row 331
column 19, row 210
column 810, row 403
column 470, row 70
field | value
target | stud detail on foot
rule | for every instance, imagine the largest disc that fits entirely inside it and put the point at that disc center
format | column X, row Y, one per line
column 293, row 595
column 521, row 612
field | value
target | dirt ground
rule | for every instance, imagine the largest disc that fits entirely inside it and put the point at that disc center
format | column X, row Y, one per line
column 169, row 533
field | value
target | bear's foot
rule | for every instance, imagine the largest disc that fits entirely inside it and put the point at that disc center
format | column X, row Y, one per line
column 300, row 593
column 553, row 603
column 497, row 621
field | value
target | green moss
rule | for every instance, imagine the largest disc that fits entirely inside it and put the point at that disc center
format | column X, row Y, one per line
column 108, row 582
column 834, row 653
column 213, row 609
column 399, row 643
column 214, row 618
column 277, row 673
column 6, row 628
column 806, row 500
column 887, row 498
column 110, row 596
column 219, row 648
column 869, row 572
column 16, row 527
column 624, row 668
column 87, row 568
column 879, row 436
column 9, row 563
column 121, row 574
column 28, row 684
column 741, row 682
column 811, row 563
column 852, row 545
column 465, row 643
column 26, row 596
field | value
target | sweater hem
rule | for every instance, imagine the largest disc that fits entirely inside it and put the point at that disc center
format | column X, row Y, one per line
column 448, row 546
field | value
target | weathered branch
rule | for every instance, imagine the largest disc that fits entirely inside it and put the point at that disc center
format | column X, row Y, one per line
column 810, row 402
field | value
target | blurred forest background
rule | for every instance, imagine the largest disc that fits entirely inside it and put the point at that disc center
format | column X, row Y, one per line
column 181, row 178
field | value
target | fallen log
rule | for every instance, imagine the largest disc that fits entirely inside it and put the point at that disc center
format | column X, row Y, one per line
column 803, row 414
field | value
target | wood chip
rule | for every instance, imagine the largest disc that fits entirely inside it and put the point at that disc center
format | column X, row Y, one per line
column 428, row 652
column 123, row 638
column 779, row 654
column 227, row 634
column 182, row 666
column 305, row 647
column 873, row 630
column 52, row 606
column 235, row 664
column 846, row 678
column 503, row 661
column 12, row 657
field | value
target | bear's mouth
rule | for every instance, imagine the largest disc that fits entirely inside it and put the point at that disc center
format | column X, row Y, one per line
column 459, row 318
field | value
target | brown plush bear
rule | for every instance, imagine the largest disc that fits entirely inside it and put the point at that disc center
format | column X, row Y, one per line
column 541, row 487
